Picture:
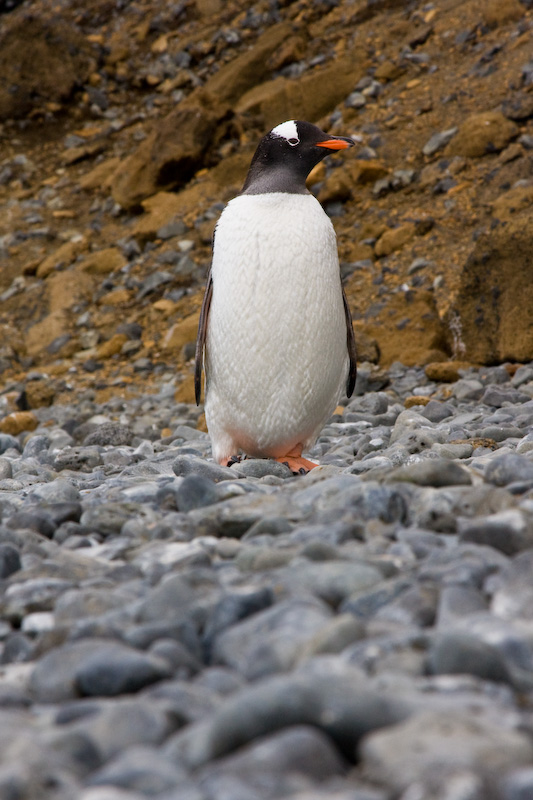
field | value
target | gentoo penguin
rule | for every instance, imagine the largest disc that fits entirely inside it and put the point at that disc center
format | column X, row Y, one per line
column 275, row 326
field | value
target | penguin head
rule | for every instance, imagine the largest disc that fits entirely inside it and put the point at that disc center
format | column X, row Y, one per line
column 287, row 154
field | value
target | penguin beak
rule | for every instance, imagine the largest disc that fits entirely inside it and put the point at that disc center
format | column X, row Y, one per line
column 336, row 143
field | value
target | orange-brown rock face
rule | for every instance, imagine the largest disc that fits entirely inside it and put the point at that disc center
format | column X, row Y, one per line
column 123, row 134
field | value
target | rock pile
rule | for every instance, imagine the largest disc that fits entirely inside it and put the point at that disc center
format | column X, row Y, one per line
column 172, row 628
column 112, row 178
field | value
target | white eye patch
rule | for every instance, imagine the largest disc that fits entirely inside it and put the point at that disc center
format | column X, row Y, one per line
column 287, row 130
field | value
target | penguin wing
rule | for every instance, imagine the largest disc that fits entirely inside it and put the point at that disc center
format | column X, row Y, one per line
column 200, row 339
column 350, row 342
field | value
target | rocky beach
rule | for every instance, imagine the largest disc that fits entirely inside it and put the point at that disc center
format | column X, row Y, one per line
column 176, row 629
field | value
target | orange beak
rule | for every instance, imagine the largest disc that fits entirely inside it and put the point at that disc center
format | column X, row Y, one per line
column 337, row 143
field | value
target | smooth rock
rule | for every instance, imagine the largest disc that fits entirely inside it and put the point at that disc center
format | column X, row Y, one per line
column 410, row 751
column 140, row 769
column 9, row 560
column 270, row 640
column 341, row 704
column 110, row 433
column 509, row 468
column 187, row 465
column 431, row 472
column 508, row 531
column 196, row 491
column 269, row 766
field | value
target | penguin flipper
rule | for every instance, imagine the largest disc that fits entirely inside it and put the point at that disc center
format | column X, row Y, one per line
column 200, row 339
column 350, row 342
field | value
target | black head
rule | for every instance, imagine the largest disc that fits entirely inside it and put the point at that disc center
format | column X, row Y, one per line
column 285, row 157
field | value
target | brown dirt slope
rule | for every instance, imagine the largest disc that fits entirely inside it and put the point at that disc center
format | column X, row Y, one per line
column 125, row 127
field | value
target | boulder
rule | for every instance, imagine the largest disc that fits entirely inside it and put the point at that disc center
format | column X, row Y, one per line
column 407, row 328
column 479, row 134
column 172, row 153
column 44, row 332
column 249, row 68
column 492, row 313
column 313, row 95
column 62, row 257
column 44, row 59
column 65, row 289
column 501, row 12
column 102, row 262
column 181, row 333
column 394, row 239
column 19, row 421
column 514, row 200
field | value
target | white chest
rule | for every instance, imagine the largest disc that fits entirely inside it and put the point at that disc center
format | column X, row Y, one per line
column 276, row 354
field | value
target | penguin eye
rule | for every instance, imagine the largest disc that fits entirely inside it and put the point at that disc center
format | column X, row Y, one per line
column 293, row 142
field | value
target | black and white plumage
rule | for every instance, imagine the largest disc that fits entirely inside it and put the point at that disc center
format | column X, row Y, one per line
column 275, row 325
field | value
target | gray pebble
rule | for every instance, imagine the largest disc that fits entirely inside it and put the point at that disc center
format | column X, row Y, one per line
column 188, row 465
column 82, row 459
column 259, row 467
column 110, row 433
column 8, row 442
column 461, row 653
column 509, row 468
column 9, row 560
column 196, row 491
column 438, row 141
column 270, row 640
column 6, row 470
column 341, row 704
column 512, row 588
column 108, row 518
column 57, row 491
column 116, row 669
column 404, row 755
column 35, row 519
column 432, row 472
column 277, row 764
column 508, row 531
column 140, row 769
column 190, row 629
column 518, row 785
column 436, row 411
column 498, row 396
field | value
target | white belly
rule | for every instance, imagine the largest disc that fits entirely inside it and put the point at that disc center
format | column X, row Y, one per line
column 276, row 353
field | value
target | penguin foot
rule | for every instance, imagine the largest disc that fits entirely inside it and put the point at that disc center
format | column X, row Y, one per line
column 233, row 460
column 297, row 464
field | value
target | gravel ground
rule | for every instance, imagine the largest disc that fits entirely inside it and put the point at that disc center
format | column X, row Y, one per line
column 175, row 629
